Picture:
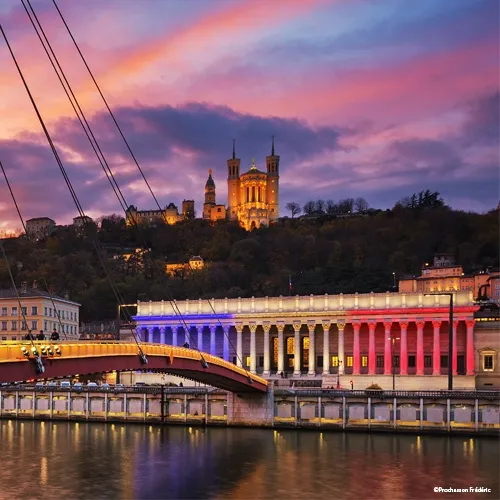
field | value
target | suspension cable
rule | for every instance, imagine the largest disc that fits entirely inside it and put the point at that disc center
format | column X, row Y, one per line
column 44, row 281
column 38, row 360
column 70, row 187
column 90, row 136
column 174, row 305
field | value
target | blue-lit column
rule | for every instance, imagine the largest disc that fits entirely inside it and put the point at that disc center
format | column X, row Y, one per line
column 239, row 344
column 253, row 349
column 162, row 334
column 187, row 337
column 225, row 343
column 174, row 335
column 212, row 339
column 200, row 337
column 138, row 333
column 150, row 334
column 296, row 354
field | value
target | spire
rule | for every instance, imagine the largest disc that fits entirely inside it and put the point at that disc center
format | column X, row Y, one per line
column 234, row 149
column 272, row 148
column 253, row 167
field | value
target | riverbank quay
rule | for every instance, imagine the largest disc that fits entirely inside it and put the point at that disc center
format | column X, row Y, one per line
column 449, row 412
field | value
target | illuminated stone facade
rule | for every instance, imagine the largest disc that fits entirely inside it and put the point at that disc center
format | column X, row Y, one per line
column 211, row 210
column 170, row 214
column 361, row 335
column 253, row 197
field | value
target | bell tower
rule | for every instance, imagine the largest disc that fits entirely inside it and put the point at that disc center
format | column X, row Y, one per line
column 273, row 178
column 209, row 196
column 233, row 184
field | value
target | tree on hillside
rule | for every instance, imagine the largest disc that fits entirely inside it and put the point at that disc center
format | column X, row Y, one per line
column 331, row 207
column 361, row 205
column 319, row 207
column 346, row 206
column 424, row 199
column 309, row 208
column 294, row 208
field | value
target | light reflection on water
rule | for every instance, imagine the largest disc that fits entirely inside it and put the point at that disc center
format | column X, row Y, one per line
column 91, row 460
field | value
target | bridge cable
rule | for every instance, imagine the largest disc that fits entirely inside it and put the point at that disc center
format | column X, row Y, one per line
column 30, row 240
column 93, row 141
column 70, row 186
column 40, row 368
column 137, row 164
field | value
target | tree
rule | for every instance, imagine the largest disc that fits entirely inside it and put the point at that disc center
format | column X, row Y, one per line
column 331, row 207
column 361, row 205
column 319, row 207
column 345, row 206
column 309, row 208
column 294, row 208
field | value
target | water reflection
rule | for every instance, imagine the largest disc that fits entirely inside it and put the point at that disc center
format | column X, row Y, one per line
column 79, row 460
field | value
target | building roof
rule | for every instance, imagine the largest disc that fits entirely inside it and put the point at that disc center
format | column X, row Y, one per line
column 26, row 293
column 210, row 182
column 40, row 219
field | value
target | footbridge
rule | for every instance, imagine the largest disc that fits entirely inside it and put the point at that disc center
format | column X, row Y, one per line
column 18, row 363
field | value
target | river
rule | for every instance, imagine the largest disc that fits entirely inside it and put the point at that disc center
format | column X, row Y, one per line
column 68, row 460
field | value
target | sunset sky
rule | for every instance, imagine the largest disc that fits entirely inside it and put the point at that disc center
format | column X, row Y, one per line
column 371, row 98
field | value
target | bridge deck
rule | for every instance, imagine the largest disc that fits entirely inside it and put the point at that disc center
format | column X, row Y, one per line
column 94, row 357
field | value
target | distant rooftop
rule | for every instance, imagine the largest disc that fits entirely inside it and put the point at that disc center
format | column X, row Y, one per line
column 31, row 293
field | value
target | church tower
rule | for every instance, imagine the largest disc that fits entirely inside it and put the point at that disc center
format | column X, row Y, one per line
column 233, row 184
column 273, row 178
column 209, row 196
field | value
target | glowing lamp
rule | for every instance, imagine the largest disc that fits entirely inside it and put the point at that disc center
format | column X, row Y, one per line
column 57, row 350
column 25, row 351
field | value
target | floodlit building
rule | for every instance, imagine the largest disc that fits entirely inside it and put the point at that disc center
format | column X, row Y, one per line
column 40, row 227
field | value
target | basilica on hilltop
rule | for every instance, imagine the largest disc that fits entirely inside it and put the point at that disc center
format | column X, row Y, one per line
column 253, row 197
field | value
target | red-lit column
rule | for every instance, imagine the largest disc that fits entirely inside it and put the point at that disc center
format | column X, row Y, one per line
column 371, row 348
column 420, row 347
column 356, row 327
column 404, row 350
column 387, row 349
column 470, row 347
column 455, row 357
column 436, row 349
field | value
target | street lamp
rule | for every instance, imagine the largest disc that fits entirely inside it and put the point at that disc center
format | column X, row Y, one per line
column 393, row 339
column 393, row 280
column 338, row 374
column 450, row 338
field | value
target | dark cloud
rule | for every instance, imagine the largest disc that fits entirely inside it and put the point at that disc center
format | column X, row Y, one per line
column 482, row 123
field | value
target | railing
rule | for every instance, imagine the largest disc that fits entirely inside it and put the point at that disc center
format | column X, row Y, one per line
column 11, row 351
column 489, row 395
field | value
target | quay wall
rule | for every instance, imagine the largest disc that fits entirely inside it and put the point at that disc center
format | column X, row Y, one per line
column 472, row 412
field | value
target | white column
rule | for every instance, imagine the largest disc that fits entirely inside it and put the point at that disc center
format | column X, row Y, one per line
column 312, row 350
column 281, row 359
column 253, row 350
column 150, row 335
column 174, row 335
column 267, row 365
column 340, row 327
column 239, row 344
column 225, row 343
column 326, row 346
column 200, row 337
column 212, row 339
column 162, row 334
column 296, row 355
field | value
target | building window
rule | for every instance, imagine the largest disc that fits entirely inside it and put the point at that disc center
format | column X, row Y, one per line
column 4, row 311
column 444, row 361
column 395, row 361
column 275, row 351
column 45, row 311
column 349, row 361
column 24, row 325
column 261, row 358
column 411, row 361
column 234, row 360
column 290, row 345
column 319, row 361
column 364, row 361
column 380, row 361
column 247, row 359
column 427, row 361
column 50, row 311
column 34, row 310
column 488, row 362
column 4, row 338
column 4, row 325
column 13, row 325
column 335, row 361
column 14, row 311
column 24, row 311
column 34, row 324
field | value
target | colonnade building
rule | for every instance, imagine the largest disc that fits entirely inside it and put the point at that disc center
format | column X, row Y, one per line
column 341, row 339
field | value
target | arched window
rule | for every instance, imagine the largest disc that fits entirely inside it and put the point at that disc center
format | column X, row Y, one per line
column 248, row 194
column 253, row 193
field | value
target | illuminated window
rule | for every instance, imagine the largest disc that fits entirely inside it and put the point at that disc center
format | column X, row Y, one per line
column 335, row 361
column 488, row 362
column 305, row 351
column 248, row 361
column 349, row 361
column 364, row 360
column 290, row 345
column 275, row 351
